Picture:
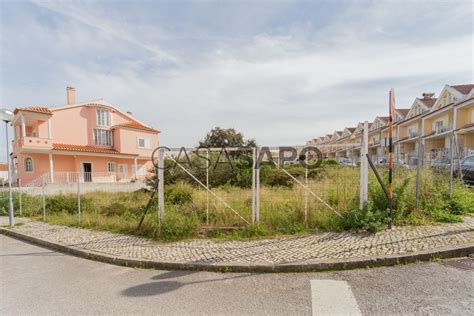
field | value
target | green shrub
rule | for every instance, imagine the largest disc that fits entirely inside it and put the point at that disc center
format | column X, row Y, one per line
column 251, row 231
column 445, row 217
column 179, row 226
column 287, row 222
column 274, row 177
column 460, row 202
column 367, row 218
column 179, row 194
column 68, row 203
column 119, row 209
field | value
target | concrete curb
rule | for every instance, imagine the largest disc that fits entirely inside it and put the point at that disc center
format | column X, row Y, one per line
column 344, row 264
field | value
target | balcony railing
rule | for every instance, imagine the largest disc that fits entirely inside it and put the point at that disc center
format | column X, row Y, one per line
column 29, row 142
column 413, row 134
column 442, row 129
column 63, row 177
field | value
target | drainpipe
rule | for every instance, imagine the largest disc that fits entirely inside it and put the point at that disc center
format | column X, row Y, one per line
column 51, row 170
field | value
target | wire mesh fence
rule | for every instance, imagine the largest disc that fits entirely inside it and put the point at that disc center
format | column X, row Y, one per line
column 212, row 190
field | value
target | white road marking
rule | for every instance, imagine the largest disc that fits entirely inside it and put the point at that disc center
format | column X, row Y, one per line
column 330, row 297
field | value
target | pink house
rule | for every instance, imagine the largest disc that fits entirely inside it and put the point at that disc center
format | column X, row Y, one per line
column 86, row 141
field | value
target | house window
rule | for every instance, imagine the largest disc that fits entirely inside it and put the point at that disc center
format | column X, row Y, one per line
column 144, row 143
column 103, row 137
column 103, row 117
column 438, row 126
column 111, row 166
column 28, row 164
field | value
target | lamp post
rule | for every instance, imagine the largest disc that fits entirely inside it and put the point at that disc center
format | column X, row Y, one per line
column 7, row 116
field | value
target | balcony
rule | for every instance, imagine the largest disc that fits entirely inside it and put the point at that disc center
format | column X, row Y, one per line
column 32, row 143
column 412, row 134
column 442, row 129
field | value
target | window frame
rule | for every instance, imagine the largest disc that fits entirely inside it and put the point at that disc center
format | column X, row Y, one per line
column 109, row 164
column 106, row 118
column 145, row 141
column 98, row 138
column 25, row 165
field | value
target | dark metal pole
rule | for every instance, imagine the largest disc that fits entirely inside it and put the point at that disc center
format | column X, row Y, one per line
column 390, row 152
column 377, row 175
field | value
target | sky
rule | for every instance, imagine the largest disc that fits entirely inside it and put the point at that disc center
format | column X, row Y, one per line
column 281, row 72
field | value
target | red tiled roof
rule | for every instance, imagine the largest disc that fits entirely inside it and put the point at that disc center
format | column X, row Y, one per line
column 403, row 112
column 3, row 167
column 85, row 148
column 464, row 88
column 37, row 109
column 428, row 102
column 351, row 129
column 135, row 125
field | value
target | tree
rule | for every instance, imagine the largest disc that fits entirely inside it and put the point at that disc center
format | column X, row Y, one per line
column 225, row 137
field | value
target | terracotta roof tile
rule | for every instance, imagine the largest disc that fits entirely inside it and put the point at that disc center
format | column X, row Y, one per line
column 135, row 125
column 403, row 112
column 3, row 167
column 37, row 109
column 464, row 88
column 85, row 148
column 428, row 102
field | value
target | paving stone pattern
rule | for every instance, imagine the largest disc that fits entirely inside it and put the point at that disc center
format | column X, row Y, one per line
column 293, row 249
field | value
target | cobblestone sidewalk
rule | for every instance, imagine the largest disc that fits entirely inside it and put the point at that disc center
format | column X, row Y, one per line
column 297, row 249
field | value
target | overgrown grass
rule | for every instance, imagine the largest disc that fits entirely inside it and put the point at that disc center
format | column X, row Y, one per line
column 282, row 208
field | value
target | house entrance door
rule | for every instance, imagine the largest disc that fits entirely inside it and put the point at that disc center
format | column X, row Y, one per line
column 87, row 167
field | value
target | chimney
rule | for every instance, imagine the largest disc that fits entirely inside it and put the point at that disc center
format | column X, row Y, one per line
column 71, row 95
column 428, row 95
column 129, row 113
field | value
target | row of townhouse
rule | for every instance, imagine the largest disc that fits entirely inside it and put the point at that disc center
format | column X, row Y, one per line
column 439, row 124
column 85, row 141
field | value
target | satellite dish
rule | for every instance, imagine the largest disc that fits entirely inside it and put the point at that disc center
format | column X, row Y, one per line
column 6, row 115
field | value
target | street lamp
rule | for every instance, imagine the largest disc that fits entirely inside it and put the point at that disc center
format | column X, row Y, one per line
column 7, row 116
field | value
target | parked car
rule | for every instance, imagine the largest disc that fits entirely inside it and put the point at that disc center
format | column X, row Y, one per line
column 467, row 169
column 441, row 163
column 384, row 161
column 347, row 162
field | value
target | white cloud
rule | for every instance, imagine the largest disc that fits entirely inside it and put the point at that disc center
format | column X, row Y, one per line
column 280, row 87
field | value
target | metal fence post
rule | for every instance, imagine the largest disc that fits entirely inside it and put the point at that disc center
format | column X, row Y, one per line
column 161, row 178
column 207, row 186
column 257, row 187
column 19, row 192
column 44, row 201
column 78, row 201
column 364, row 170
column 254, row 165
column 418, row 166
column 451, row 163
column 306, row 191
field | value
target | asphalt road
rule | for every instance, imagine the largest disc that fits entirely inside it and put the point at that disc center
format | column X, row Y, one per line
column 35, row 280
